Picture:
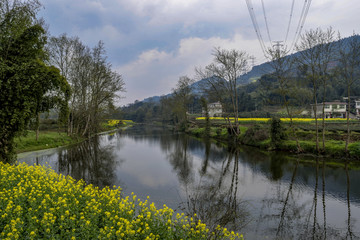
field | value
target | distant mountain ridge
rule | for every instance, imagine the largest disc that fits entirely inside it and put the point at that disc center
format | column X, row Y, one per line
column 252, row 76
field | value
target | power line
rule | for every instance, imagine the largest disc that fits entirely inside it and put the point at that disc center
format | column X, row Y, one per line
column 266, row 22
column 291, row 14
column 300, row 25
column 256, row 26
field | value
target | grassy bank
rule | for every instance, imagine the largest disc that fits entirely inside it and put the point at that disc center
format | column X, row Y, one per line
column 47, row 139
column 37, row 203
column 257, row 133
column 53, row 138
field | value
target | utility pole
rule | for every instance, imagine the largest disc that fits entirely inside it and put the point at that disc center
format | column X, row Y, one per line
column 252, row 61
column 277, row 45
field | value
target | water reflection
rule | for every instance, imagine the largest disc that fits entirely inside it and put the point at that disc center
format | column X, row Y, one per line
column 263, row 195
column 91, row 160
column 213, row 193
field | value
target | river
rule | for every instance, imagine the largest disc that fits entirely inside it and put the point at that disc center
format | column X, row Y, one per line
column 262, row 195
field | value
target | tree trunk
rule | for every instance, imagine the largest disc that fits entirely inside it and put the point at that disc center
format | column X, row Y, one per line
column 37, row 126
column 316, row 123
column 348, row 122
column 86, row 126
column 323, row 119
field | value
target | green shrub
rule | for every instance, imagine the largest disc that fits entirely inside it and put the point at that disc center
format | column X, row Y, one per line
column 254, row 135
column 277, row 132
column 354, row 149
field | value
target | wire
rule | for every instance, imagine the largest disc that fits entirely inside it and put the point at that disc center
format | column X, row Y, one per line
column 291, row 14
column 256, row 26
column 266, row 22
column 301, row 23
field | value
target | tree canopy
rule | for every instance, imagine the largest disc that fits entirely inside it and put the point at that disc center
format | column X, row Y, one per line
column 27, row 85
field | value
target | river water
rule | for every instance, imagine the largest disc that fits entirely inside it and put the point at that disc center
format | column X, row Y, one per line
column 262, row 195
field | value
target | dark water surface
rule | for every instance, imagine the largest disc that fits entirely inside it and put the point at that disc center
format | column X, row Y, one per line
column 262, row 195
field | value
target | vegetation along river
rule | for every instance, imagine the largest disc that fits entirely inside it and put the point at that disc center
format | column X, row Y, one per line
column 262, row 195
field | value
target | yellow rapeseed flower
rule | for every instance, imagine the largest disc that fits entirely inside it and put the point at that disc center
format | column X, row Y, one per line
column 50, row 202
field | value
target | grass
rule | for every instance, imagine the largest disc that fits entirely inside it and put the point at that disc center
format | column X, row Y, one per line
column 53, row 139
column 334, row 145
column 47, row 139
column 37, row 203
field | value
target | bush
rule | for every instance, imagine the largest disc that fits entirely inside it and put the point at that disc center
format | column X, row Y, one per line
column 254, row 135
column 354, row 149
column 37, row 203
column 277, row 132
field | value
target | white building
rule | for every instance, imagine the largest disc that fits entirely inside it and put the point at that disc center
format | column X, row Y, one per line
column 357, row 108
column 334, row 109
column 215, row 109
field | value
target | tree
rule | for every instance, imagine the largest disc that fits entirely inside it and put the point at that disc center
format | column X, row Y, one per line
column 95, row 86
column 316, row 51
column 222, row 76
column 282, row 67
column 26, row 82
column 204, row 104
column 349, row 59
column 181, row 100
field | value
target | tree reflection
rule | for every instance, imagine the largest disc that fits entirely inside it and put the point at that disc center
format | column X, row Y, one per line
column 89, row 161
column 212, row 194
column 181, row 160
column 349, row 233
column 281, row 228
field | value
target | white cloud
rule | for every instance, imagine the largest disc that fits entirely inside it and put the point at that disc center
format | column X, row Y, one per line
column 156, row 72
column 161, row 40
column 108, row 33
column 186, row 12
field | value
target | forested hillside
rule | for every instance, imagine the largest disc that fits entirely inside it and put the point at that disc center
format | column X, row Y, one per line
column 258, row 90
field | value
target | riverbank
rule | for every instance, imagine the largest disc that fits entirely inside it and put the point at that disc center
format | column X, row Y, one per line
column 258, row 135
column 55, row 138
column 46, row 140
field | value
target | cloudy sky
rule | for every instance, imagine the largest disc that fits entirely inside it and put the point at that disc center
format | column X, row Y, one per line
column 151, row 43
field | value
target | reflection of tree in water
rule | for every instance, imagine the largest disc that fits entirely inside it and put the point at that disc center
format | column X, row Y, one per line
column 301, row 220
column 350, row 222
column 181, row 160
column 213, row 193
column 89, row 161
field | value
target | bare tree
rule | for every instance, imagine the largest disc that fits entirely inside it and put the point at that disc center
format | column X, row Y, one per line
column 95, row 86
column 222, row 76
column 317, row 50
column 181, row 100
column 283, row 72
column 349, row 59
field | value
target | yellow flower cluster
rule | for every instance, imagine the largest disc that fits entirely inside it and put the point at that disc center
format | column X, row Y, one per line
column 282, row 119
column 113, row 122
column 37, row 203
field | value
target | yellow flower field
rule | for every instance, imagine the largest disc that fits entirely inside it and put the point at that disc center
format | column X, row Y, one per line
column 37, row 203
column 282, row 119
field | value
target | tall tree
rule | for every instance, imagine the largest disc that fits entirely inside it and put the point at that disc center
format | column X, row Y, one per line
column 317, row 50
column 222, row 76
column 95, row 86
column 181, row 100
column 26, row 82
column 349, row 59
column 282, row 68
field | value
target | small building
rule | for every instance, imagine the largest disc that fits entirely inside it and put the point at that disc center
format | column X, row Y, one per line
column 357, row 108
column 334, row 109
column 214, row 109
